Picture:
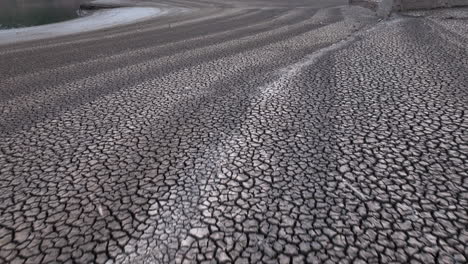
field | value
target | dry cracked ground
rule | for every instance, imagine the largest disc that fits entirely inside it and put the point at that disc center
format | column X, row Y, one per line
column 277, row 132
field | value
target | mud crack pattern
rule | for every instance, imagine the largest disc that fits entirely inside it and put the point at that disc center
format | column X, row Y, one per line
column 298, row 133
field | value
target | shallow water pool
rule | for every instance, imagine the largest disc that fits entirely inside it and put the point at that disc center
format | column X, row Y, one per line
column 23, row 13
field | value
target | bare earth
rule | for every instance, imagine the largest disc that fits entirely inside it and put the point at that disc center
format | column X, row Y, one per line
column 250, row 131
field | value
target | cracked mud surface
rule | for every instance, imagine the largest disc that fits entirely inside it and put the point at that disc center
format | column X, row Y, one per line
column 300, row 133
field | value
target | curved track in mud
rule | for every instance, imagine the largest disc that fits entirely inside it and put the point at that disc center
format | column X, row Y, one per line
column 238, row 132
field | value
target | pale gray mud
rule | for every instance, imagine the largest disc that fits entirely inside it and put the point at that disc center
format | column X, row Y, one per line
column 277, row 132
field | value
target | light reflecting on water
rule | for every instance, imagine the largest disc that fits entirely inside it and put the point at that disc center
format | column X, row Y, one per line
column 21, row 13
